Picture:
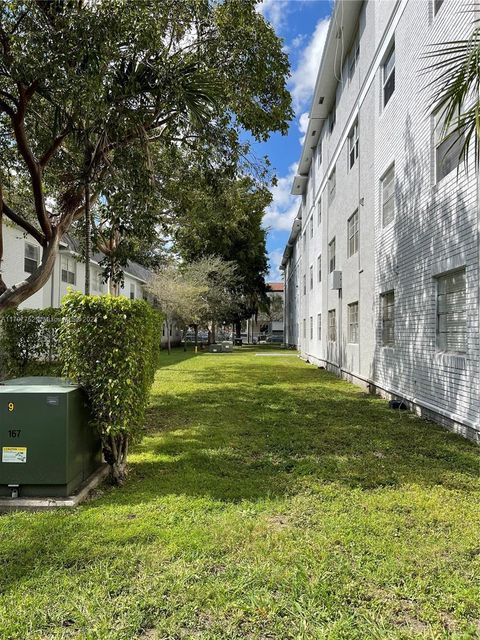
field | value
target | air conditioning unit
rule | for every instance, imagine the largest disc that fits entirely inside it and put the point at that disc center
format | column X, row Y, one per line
column 336, row 280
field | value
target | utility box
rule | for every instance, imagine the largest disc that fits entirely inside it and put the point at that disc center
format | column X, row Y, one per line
column 47, row 444
column 227, row 347
column 215, row 348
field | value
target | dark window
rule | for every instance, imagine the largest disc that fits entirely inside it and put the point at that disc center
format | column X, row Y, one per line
column 353, row 145
column 32, row 257
column 389, row 76
column 388, row 319
column 451, row 312
column 331, row 256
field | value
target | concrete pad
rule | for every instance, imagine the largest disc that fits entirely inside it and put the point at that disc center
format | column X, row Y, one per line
column 40, row 504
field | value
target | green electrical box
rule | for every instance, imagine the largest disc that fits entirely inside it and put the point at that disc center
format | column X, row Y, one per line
column 47, row 444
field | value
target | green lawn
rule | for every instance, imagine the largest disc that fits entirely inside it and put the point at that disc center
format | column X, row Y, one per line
column 269, row 501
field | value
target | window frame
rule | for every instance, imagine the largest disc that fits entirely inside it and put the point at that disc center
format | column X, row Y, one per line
column 304, row 284
column 311, row 328
column 133, row 290
column 442, row 345
column 332, row 325
column 319, row 268
column 391, row 198
column 35, row 259
column 332, row 184
column 70, row 277
column 388, row 318
column 353, row 322
column 332, row 262
column 449, row 139
column 353, row 145
column 311, row 277
column 319, row 326
column 353, row 233
column 391, row 75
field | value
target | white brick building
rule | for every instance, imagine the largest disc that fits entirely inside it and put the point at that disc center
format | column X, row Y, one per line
column 382, row 264
column 22, row 254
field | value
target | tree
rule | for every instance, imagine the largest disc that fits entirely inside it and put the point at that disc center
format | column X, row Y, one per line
column 456, row 93
column 217, row 214
column 179, row 295
column 89, row 88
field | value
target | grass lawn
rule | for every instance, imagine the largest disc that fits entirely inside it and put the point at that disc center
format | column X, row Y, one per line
column 269, row 500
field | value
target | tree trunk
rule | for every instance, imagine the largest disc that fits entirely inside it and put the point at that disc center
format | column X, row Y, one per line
column 214, row 333
column 16, row 294
column 88, row 229
column 238, row 329
column 195, row 328
column 115, row 451
column 169, row 346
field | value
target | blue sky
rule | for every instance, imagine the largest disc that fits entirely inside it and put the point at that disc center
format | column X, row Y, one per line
column 302, row 24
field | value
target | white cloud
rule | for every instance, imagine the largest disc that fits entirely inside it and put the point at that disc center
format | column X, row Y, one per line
column 275, row 259
column 303, row 126
column 302, row 81
column 283, row 209
column 275, row 11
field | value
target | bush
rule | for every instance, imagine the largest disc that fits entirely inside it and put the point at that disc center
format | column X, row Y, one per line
column 111, row 346
column 29, row 342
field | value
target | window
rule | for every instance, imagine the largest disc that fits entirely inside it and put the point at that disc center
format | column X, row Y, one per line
column 331, row 256
column 311, row 226
column 389, row 76
column 97, row 280
column 68, row 266
column 388, row 319
column 353, row 323
column 319, row 326
column 304, row 240
column 319, row 268
column 353, row 145
column 31, row 258
column 304, row 285
column 388, row 196
column 319, row 211
column 332, row 325
column 304, row 328
column 353, row 59
column 319, row 153
column 311, row 327
column 436, row 6
column 132, row 291
column 352, row 234
column 332, row 181
column 451, row 312
column 163, row 330
column 448, row 146
column 311, row 277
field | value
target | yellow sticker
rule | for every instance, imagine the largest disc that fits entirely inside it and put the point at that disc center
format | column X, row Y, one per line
column 14, row 454
column 11, row 406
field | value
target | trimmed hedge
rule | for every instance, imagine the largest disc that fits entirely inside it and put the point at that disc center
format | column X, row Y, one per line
column 29, row 342
column 111, row 346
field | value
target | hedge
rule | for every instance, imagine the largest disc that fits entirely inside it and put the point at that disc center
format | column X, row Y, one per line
column 111, row 346
column 29, row 342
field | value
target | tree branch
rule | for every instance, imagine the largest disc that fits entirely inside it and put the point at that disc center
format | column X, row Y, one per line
column 24, row 224
column 50, row 152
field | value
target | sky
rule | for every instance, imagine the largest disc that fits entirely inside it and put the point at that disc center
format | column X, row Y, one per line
column 302, row 25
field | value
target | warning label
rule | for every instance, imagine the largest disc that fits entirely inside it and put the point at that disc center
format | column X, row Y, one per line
column 14, row 454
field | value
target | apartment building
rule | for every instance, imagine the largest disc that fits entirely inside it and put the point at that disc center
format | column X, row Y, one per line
column 21, row 257
column 382, row 264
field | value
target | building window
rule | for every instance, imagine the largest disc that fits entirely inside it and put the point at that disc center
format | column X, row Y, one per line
column 449, row 144
column 319, row 268
column 319, row 326
column 68, row 267
column 353, row 323
column 304, row 240
column 311, row 327
column 311, row 226
column 304, row 328
column 31, row 257
column 304, row 285
column 132, row 291
column 388, row 196
column 389, row 76
column 353, row 145
column 436, row 6
column 319, row 211
column 332, row 325
column 97, row 280
column 354, row 55
column 332, row 182
column 388, row 319
column 319, row 153
column 352, row 234
column 311, row 277
column 331, row 256
column 451, row 312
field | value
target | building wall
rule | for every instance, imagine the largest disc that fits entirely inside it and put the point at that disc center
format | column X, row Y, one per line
column 435, row 228
column 52, row 293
